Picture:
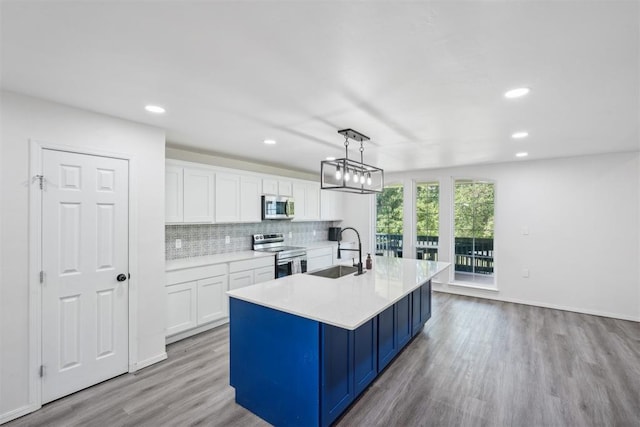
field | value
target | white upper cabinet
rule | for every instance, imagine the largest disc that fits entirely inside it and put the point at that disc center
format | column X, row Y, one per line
column 173, row 179
column 237, row 198
column 277, row 187
column 330, row 205
column 227, row 197
column 250, row 209
column 198, row 195
column 306, row 195
column 285, row 188
column 188, row 195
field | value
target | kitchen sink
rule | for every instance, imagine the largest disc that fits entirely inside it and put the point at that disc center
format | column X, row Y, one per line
column 335, row 272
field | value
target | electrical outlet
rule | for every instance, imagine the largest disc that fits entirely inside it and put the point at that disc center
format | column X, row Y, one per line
column 525, row 231
column 525, row 272
column 314, row 233
column 290, row 234
column 227, row 239
column 178, row 243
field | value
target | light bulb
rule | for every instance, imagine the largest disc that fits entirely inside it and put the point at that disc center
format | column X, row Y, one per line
column 369, row 178
column 356, row 177
column 362, row 178
column 338, row 172
column 347, row 177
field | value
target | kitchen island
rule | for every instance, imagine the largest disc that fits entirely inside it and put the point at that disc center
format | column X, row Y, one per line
column 304, row 347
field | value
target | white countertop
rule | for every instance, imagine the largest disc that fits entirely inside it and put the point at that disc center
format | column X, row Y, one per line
column 179, row 264
column 349, row 301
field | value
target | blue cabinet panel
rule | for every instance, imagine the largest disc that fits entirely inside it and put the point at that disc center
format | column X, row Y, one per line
column 425, row 303
column 403, row 320
column 365, row 354
column 387, row 338
column 416, row 323
column 275, row 366
column 337, row 372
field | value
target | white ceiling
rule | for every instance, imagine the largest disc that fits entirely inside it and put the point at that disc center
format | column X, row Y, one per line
column 424, row 80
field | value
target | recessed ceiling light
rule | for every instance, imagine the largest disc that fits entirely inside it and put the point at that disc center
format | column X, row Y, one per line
column 517, row 93
column 523, row 154
column 154, row 109
column 330, row 158
column 519, row 135
column 270, row 141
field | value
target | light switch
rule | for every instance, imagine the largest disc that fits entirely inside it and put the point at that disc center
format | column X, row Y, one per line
column 525, row 231
column 314, row 233
column 290, row 234
column 525, row 272
column 178, row 243
column 227, row 239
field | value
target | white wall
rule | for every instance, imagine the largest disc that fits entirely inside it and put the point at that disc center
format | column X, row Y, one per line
column 583, row 218
column 27, row 118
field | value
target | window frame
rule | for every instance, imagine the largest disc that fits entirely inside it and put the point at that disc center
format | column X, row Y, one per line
column 452, row 230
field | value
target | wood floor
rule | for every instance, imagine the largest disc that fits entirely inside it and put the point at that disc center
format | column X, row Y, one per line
column 476, row 363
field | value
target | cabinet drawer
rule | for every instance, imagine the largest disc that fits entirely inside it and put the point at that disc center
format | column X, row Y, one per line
column 195, row 273
column 250, row 264
column 240, row 279
column 312, row 253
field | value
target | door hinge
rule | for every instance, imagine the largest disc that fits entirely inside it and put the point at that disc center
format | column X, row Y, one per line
column 41, row 371
column 40, row 179
column 41, row 276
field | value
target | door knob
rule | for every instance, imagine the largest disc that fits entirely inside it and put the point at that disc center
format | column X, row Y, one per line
column 121, row 277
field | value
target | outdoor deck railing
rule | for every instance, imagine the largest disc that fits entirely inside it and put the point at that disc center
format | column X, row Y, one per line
column 471, row 254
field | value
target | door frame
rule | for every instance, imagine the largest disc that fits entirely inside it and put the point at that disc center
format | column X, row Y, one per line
column 36, row 148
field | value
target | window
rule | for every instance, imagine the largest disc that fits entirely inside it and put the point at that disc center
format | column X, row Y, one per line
column 427, row 220
column 473, row 231
column 389, row 221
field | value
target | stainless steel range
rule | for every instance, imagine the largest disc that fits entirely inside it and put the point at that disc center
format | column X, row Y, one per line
column 289, row 259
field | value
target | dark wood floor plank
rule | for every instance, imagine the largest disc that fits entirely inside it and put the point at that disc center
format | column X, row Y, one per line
column 476, row 363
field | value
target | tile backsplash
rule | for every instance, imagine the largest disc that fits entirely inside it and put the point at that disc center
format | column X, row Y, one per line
column 209, row 239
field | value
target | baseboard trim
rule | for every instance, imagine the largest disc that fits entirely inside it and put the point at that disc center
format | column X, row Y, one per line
column 492, row 296
column 17, row 413
column 191, row 332
column 150, row 361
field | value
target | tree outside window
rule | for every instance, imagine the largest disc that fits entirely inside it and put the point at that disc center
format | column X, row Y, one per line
column 389, row 221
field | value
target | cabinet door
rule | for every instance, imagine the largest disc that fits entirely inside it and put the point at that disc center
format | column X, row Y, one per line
column 387, row 341
column 416, row 317
column 173, row 198
column 264, row 274
column 198, row 195
column 337, row 386
column 312, row 201
column 403, row 320
column 365, row 354
column 181, row 307
column 299, row 197
column 327, row 205
column 425, row 303
column 212, row 299
column 241, row 279
column 270, row 186
column 250, row 210
column 285, row 188
column 227, row 197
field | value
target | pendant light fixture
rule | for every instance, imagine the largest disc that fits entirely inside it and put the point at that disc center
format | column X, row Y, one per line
column 349, row 175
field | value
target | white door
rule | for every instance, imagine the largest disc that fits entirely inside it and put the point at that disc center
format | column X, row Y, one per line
column 84, row 250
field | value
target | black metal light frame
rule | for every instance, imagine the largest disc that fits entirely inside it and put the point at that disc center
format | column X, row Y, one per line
column 333, row 173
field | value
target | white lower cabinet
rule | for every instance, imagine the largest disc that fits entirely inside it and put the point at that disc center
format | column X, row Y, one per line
column 212, row 299
column 197, row 297
column 319, row 258
column 248, row 272
column 181, row 307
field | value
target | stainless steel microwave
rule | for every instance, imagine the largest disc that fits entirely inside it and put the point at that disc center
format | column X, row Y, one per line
column 277, row 207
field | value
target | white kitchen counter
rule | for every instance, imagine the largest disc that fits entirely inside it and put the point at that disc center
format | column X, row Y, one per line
column 179, row 264
column 349, row 301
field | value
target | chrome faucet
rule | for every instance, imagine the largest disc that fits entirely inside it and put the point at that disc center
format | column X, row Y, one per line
column 359, row 265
